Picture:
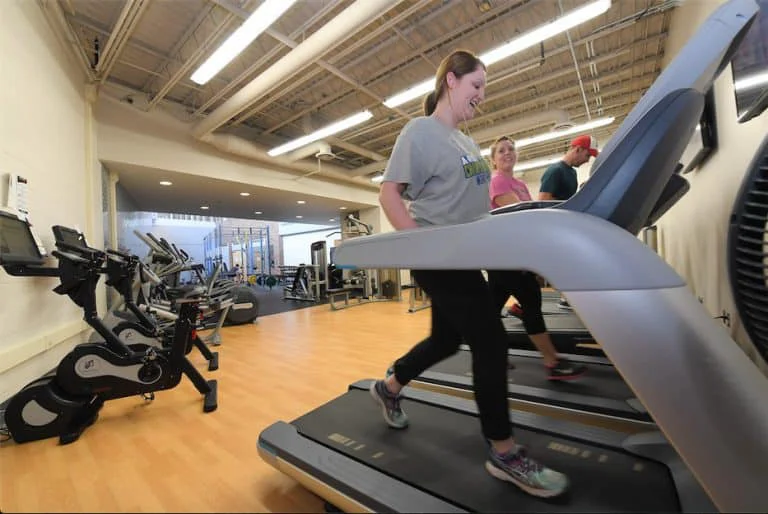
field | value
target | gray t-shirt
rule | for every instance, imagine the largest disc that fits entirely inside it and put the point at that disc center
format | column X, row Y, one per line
column 447, row 178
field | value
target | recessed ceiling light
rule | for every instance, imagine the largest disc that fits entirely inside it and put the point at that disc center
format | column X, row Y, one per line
column 332, row 219
column 257, row 212
column 300, row 201
column 245, row 194
column 204, row 207
column 343, row 208
column 166, row 183
column 299, row 217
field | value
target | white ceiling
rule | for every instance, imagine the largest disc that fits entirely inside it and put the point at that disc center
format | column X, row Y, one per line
column 149, row 49
column 189, row 192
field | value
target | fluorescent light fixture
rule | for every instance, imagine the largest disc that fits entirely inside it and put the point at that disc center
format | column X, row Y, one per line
column 417, row 91
column 342, row 208
column 204, row 207
column 257, row 212
column 245, row 194
column 267, row 13
column 299, row 217
column 300, row 202
column 752, row 81
column 166, row 183
column 537, row 35
column 329, row 130
column 556, row 134
column 520, row 43
column 536, row 163
column 380, row 177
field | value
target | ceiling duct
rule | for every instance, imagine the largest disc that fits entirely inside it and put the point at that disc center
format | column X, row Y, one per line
column 319, row 149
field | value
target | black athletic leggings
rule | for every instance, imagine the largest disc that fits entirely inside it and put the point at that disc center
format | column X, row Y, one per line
column 463, row 311
column 523, row 286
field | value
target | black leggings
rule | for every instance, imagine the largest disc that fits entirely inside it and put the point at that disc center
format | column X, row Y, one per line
column 463, row 311
column 524, row 286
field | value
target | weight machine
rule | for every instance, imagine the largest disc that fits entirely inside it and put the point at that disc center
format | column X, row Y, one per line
column 371, row 285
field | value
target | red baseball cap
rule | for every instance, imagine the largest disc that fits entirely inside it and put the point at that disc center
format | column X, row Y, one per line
column 588, row 142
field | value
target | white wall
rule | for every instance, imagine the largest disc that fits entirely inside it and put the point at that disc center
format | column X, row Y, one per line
column 693, row 234
column 186, row 235
column 46, row 135
column 296, row 247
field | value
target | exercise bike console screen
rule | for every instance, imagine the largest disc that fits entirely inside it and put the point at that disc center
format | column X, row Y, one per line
column 17, row 245
column 69, row 237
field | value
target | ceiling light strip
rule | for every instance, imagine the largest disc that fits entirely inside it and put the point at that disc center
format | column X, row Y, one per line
column 267, row 13
column 329, row 130
column 520, row 43
column 557, row 134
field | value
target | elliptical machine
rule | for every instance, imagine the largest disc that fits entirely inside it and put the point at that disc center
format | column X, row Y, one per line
column 66, row 401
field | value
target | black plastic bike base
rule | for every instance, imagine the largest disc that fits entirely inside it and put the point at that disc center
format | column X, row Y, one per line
column 211, row 403
column 213, row 364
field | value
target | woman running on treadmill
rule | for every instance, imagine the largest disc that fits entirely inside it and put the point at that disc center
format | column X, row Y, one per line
column 440, row 172
column 505, row 189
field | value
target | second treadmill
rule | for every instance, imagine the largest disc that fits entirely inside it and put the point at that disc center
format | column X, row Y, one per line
column 601, row 392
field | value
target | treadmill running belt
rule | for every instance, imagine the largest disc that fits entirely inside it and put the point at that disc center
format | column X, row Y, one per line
column 555, row 323
column 442, row 452
column 599, row 380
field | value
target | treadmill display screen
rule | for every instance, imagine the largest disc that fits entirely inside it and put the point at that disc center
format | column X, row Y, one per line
column 17, row 245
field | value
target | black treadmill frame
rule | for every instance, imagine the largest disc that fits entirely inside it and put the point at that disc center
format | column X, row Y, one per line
column 346, row 478
column 564, row 340
column 630, row 409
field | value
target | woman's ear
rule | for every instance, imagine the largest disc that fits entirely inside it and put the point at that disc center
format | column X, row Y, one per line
column 450, row 79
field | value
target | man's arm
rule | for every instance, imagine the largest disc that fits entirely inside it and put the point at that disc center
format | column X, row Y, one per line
column 550, row 182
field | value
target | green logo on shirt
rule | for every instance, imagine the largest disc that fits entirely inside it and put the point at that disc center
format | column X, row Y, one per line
column 474, row 168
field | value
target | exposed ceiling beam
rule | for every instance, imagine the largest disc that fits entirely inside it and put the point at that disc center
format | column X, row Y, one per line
column 119, row 37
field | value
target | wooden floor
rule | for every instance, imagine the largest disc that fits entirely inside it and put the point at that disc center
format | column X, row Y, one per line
column 167, row 456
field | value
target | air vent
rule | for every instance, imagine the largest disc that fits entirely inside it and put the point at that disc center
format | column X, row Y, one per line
column 748, row 251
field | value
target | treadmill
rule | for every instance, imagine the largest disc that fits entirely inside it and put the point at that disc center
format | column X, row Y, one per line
column 601, row 393
column 706, row 396
column 567, row 331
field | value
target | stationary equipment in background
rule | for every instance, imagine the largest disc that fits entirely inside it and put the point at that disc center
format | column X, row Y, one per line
column 705, row 395
column 134, row 327
column 64, row 402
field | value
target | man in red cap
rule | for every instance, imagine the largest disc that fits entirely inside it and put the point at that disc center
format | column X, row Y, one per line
column 559, row 181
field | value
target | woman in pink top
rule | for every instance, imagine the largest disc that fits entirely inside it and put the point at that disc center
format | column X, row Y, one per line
column 505, row 189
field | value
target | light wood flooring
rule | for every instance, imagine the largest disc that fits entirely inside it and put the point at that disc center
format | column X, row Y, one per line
column 168, row 456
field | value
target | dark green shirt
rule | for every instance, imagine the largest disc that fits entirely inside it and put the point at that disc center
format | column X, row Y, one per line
column 560, row 180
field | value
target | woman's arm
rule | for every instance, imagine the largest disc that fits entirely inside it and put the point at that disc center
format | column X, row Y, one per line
column 507, row 199
column 394, row 206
